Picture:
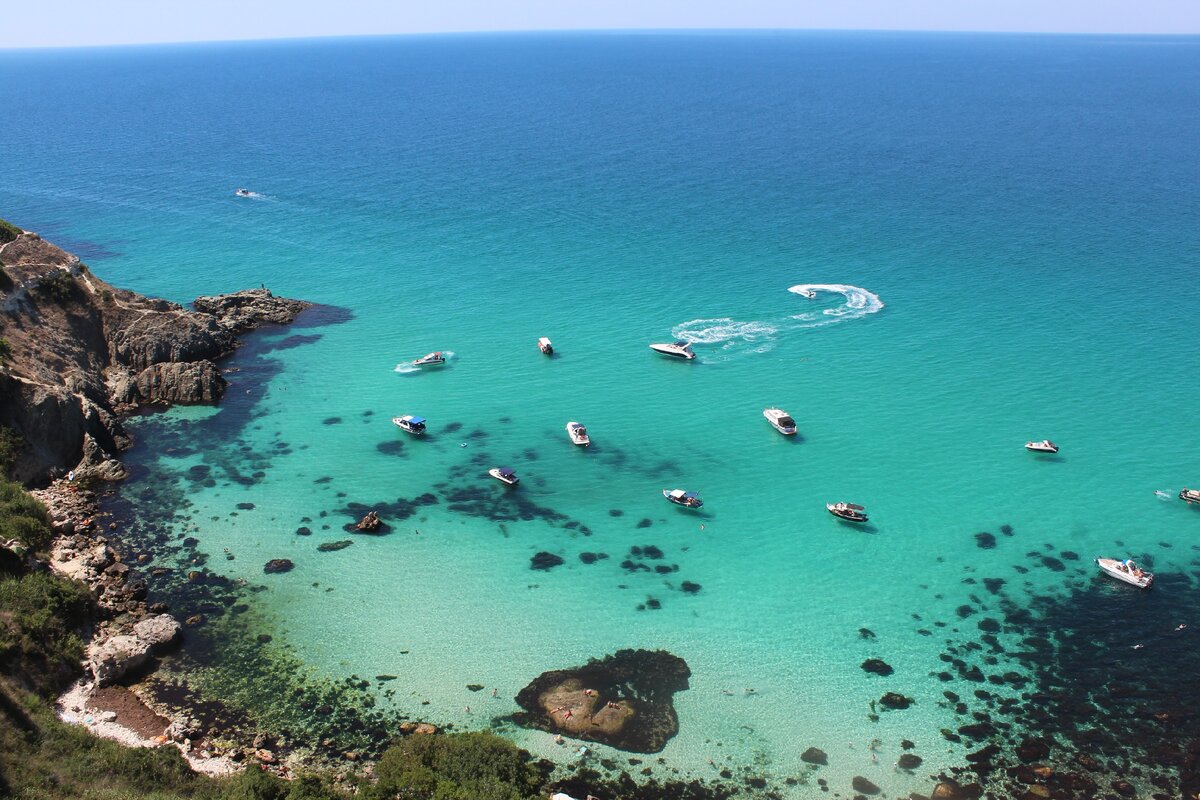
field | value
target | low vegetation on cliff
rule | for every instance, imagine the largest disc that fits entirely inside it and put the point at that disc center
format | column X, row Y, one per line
column 8, row 231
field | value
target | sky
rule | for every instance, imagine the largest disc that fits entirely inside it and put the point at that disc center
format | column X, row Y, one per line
column 69, row 23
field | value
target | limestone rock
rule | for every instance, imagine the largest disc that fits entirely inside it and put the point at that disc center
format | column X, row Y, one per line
column 158, row 631
column 243, row 311
column 624, row 700
column 111, row 659
column 182, row 383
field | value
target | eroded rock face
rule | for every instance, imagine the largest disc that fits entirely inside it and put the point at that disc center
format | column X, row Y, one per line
column 87, row 352
column 114, row 657
column 158, row 631
column 243, row 311
column 195, row 383
column 624, row 700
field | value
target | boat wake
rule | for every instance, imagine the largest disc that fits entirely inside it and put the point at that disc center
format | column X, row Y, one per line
column 759, row 336
column 409, row 368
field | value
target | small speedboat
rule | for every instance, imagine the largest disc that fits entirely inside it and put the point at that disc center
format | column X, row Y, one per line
column 681, row 498
column 674, row 349
column 244, row 193
column 780, row 420
column 414, row 425
column 1126, row 571
column 435, row 359
column 1044, row 446
column 1190, row 495
column 578, row 434
column 850, row 512
column 504, row 475
column 545, row 346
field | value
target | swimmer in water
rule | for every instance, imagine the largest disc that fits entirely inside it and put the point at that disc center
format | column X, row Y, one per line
column 1180, row 627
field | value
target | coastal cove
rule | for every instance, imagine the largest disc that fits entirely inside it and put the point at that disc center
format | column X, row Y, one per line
column 900, row 239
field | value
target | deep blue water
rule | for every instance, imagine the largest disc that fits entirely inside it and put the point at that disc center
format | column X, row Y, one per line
column 1025, row 208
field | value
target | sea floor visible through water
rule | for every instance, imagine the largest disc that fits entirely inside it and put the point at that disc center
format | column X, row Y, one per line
column 928, row 249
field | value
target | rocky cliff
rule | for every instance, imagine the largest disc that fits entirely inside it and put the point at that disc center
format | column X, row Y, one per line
column 81, row 353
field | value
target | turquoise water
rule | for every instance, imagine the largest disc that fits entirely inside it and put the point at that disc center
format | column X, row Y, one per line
column 1012, row 221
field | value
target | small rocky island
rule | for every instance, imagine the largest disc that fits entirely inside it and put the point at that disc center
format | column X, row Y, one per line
column 624, row 700
column 79, row 353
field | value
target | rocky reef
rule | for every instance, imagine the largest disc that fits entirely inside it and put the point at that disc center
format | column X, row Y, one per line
column 624, row 700
column 81, row 353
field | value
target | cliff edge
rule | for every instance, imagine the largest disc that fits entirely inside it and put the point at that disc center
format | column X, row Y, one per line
column 76, row 354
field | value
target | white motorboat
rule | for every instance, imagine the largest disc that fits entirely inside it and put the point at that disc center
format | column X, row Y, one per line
column 1126, row 571
column 1190, row 495
column 504, row 475
column 545, row 346
column 578, row 434
column 435, row 359
column 683, row 498
column 414, row 425
column 244, row 193
column 780, row 420
column 1044, row 446
column 851, row 512
column 674, row 349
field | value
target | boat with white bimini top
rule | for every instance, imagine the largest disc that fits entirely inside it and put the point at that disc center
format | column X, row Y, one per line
column 244, row 192
column 683, row 498
column 504, row 475
column 1044, row 446
column 780, row 420
column 1126, row 571
column 435, row 359
column 1190, row 495
column 674, row 349
column 851, row 512
column 410, row 423
column 578, row 434
column 546, row 346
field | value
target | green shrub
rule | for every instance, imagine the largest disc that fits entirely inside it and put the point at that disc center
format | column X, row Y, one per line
column 22, row 517
column 8, row 231
column 59, row 284
column 461, row 766
column 40, row 616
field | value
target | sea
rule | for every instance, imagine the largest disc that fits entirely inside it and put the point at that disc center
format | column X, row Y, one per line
column 929, row 249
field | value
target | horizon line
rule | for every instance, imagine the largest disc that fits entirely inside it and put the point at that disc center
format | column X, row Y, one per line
column 606, row 31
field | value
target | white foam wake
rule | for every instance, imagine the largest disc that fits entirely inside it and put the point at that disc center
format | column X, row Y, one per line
column 859, row 302
column 759, row 336
column 408, row 367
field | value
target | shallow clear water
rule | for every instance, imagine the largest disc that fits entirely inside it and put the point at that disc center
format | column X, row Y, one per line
column 1023, row 209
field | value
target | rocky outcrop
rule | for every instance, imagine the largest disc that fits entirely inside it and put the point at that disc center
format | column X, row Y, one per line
column 112, row 658
column 193, row 383
column 84, row 352
column 624, row 700
column 249, row 309
column 158, row 631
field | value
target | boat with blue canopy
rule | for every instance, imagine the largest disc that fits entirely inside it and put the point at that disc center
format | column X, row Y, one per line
column 412, row 424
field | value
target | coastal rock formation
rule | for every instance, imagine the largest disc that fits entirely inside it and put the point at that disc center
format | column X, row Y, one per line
column 277, row 565
column 243, row 311
column 83, row 352
column 158, row 631
column 624, row 700
column 195, row 383
column 110, row 659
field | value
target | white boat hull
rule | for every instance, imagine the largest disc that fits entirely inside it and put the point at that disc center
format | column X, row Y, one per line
column 581, row 440
column 1112, row 567
column 495, row 473
column 773, row 415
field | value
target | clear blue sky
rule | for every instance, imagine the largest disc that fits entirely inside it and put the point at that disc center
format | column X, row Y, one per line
column 51, row 23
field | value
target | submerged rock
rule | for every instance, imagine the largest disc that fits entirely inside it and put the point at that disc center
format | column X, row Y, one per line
column 544, row 561
column 877, row 666
column 864, row 786
column 908, row 761
column 895, row 701
column 624, row 700
column 276, row 565
column 814, row 755
column 329, row 547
